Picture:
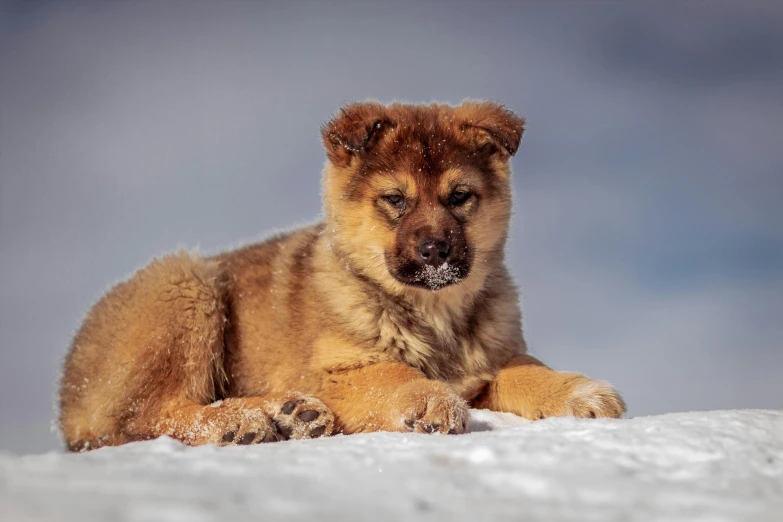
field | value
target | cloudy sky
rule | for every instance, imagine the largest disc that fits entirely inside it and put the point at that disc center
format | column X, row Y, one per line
column 648, row 237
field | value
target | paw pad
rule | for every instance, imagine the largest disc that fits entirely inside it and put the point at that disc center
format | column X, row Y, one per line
column 303, row 417
column 247, row 438
column 308, row 415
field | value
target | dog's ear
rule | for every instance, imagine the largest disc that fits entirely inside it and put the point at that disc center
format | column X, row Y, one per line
column 355, row 129
column 497, row 129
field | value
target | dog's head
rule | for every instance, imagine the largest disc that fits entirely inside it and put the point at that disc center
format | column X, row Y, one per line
column 420, row 196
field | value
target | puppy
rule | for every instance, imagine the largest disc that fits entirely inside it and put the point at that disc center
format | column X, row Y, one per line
column 395, row 313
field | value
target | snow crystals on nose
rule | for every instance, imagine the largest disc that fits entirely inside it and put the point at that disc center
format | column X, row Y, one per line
column 437, row 277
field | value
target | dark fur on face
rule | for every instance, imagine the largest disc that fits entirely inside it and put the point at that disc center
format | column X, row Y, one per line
column 433, row 175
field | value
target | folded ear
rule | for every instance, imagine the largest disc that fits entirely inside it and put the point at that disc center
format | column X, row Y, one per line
column 496, row 127
column 355, row 128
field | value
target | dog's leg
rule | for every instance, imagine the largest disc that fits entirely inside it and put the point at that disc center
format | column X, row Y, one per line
column 237, row 420
column 530, row 389
column 148, row 361
column 392, row 397
column 230, row 421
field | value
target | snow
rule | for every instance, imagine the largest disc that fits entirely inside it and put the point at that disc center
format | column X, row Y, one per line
column 437, row 278
column 704, row 466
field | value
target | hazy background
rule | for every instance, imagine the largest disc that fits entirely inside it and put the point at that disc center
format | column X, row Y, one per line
column 648, row 238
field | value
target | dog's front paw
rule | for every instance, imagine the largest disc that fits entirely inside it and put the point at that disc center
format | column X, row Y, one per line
column 237, row 421
column 583, row 397
column 426, row 406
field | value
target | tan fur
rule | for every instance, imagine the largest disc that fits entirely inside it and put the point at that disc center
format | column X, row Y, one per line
column 340, row 326
column 531, row 390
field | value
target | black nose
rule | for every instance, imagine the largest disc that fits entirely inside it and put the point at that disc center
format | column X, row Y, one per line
column 434, row 252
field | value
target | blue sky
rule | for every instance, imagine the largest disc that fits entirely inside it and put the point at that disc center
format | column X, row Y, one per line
column 648, row 235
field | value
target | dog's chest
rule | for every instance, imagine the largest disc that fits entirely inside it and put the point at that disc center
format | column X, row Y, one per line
column 433, row 341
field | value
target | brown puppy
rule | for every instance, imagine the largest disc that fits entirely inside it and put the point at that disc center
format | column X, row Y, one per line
column 395, row 313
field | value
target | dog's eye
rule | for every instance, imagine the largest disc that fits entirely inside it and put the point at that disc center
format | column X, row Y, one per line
column 458, row 197
column 395, row 200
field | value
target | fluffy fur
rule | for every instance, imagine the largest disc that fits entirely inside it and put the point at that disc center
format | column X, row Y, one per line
column 395, row 313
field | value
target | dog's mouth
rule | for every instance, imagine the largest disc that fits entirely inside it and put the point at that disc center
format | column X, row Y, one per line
column 431, row 277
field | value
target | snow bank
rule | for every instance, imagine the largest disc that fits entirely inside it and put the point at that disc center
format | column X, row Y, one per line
column 720, row 465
